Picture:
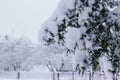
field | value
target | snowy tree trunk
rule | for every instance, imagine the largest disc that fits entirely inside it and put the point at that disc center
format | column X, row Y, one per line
column 18, row 75
column 73, row 75
column 115, row 77
column 54, row 75
column 90, row 77
column 58, row 75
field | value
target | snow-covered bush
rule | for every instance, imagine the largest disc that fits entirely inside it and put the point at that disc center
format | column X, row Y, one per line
column 51, row 56
column 20, row 54
column 13, row 53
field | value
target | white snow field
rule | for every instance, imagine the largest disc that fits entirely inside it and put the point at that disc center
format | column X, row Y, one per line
column 38, row 76
column 25, row 76
column 45, row 76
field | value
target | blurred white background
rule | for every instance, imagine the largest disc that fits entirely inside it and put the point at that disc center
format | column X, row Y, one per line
column 24, row 17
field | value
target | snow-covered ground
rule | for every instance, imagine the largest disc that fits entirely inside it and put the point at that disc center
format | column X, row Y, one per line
column 39, row 76
column 25, row 76
column 44, row 76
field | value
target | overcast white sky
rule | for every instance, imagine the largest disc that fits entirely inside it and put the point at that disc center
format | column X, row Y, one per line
column 24, row 17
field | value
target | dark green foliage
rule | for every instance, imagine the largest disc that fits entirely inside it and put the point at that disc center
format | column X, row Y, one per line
column 97, row 26
column 49, row 40
column 61, row 31
column 100, row 31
